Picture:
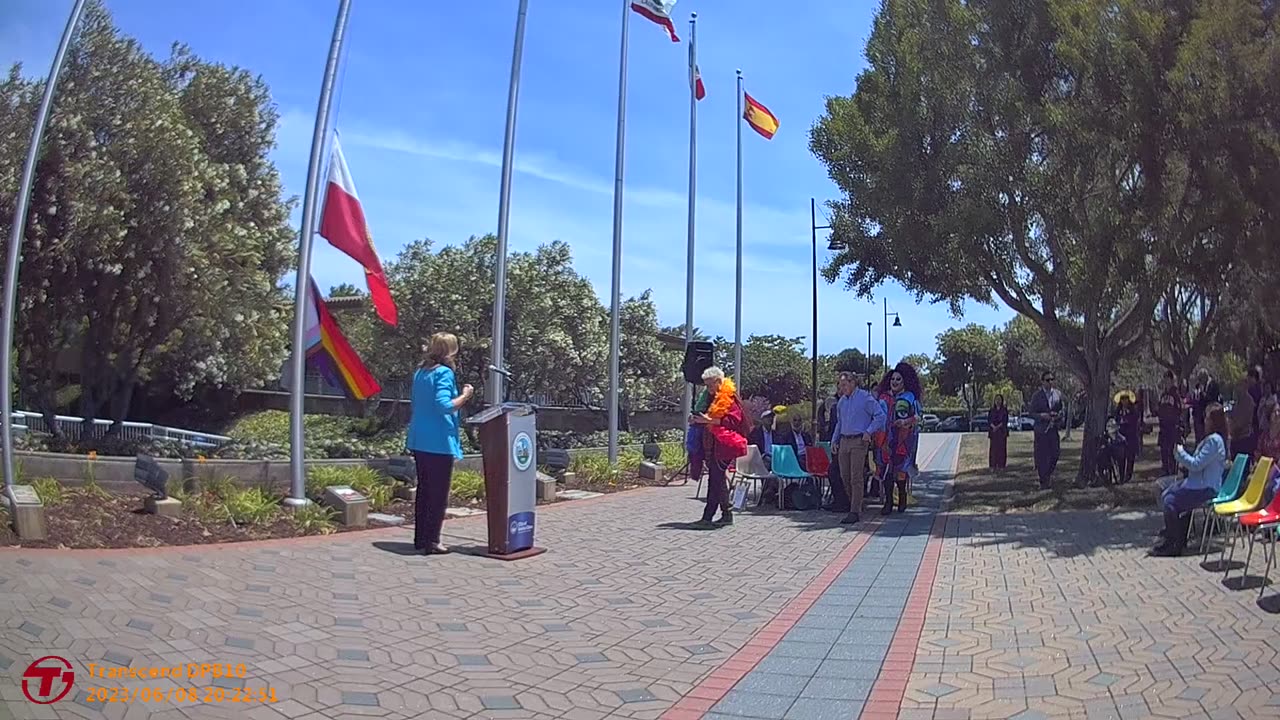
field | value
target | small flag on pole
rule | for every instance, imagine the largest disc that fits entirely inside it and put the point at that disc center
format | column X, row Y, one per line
column 658, row 11
column 342, row 223
column 759, row 117
column 699, row 90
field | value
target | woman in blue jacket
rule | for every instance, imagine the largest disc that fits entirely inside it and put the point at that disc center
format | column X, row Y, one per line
column 433, row 438
column 1205, row 470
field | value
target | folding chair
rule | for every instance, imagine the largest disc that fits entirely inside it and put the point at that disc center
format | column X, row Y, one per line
column 818, row 463
column 1231, row 490
column 786, row 467
column 1253, row 522
column 1228, row 513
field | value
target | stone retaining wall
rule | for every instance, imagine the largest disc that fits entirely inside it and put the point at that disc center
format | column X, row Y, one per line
column 116, row 473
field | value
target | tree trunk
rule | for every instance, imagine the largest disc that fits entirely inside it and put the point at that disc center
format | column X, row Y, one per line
column 121, row 400
column 1097, row 391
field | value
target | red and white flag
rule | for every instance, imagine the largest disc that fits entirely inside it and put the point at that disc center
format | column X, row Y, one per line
column 699, row 90
column 342, row 223
column 659, row 11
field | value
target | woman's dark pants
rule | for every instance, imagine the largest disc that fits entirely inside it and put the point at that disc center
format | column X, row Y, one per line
column 435, row 475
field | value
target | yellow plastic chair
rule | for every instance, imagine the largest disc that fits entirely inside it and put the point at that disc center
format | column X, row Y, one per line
column 1225, row 513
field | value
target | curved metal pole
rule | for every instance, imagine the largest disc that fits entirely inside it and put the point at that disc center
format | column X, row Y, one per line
column 302, row 286
column 497, row 349
column 16, row 233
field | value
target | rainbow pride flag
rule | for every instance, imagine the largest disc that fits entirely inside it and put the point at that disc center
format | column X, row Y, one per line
column 329, row 352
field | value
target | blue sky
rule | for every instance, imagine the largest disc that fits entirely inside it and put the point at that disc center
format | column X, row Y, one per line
column 421, row 109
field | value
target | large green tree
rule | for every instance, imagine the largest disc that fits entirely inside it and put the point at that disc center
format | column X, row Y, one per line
column 774, row 367
column 1067, row 158
column 968, row 362
column 157, row 234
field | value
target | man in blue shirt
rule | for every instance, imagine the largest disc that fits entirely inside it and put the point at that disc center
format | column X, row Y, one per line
column 858, row 416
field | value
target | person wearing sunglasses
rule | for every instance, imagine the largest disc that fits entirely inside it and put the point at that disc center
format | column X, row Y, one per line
column 1046, row 408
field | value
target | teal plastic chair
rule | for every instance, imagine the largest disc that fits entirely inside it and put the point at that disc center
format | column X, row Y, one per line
column 1232, row 488
column 786, row 467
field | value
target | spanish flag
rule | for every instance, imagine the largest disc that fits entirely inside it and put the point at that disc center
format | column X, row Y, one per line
column 759, row 117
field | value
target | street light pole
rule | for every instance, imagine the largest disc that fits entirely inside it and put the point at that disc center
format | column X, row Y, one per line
column 868, row 350
column 897, row 322
column 813, row 222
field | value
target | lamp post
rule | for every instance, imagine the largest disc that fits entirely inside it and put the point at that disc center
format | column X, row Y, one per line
column 897, row 322
column 833, row 244
column 868, row 351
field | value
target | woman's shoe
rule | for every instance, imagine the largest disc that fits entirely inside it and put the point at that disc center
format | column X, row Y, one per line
column 726, row 518
column 437, row 549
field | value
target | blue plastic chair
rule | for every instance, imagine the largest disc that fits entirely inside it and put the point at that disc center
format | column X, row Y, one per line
column 786, row 467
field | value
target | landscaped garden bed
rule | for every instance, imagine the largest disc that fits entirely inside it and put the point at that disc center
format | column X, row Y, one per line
column 221, row 510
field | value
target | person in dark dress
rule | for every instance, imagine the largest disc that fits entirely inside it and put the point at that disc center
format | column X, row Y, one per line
column 1129, row 420
column 1170, row 415
column 998, row 433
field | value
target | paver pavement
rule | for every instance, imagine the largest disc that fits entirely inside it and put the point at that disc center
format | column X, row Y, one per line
column 621, row 618
column 1064, row 616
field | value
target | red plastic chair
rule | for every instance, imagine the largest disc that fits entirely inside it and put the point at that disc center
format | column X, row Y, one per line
column 818, row 464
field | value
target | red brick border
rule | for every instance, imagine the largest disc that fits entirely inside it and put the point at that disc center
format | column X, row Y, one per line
column 713, row 687
column 890, row 687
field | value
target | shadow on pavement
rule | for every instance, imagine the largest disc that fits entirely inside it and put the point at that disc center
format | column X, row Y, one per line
column 397, row 548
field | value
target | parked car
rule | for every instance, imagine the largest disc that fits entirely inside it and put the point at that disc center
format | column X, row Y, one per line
column 952, row 424
column 929, row 422
column 1024, row 423
column 981, row 422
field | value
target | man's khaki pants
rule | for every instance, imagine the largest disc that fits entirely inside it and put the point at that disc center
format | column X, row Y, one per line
column 853, row 459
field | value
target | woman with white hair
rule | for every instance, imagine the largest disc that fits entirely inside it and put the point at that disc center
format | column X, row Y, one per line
column 724, row 441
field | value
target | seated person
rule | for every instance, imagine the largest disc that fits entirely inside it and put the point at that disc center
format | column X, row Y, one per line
column 1206, row 469
column 762, row 436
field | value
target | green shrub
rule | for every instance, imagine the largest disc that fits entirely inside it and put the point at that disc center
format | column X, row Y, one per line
column 365, row 480
column 252, row 506
column 326, row 436
column 595, row 468
column 220, row 486
column 467, row 485
column 49, row 490
column 314, row 519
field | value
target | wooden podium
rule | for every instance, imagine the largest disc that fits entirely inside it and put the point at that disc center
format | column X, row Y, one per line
column 508, row 443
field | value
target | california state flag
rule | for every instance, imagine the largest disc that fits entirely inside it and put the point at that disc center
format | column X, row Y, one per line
column 342, row 223
column 658, row 11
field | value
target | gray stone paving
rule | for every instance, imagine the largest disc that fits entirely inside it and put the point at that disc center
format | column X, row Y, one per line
column 826, row 666
column 624, row 615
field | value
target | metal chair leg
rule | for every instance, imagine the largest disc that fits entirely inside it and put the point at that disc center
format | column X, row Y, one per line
column 1226, row 561
column 1248, row 556
column 1271, row 556
column 1209, row 517
column 1191, row 524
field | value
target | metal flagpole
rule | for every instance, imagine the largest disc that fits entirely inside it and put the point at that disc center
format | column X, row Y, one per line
column 496, row 353
column 615, row 310
column 693, row 191
column 737, row 317
column 16, row 232
column 302, row 286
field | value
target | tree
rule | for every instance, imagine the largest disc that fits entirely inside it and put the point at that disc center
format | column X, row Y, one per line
column 345, row 290
column 854, row 360
column 157, row 234
column 968, row 362
column 1064, row 157
column 649, row 373
column 774, row 367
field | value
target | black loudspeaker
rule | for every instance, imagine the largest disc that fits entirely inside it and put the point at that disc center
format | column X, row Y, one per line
column 698, row 356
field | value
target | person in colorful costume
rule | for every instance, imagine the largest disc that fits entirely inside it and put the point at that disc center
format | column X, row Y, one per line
column 880, row 453
column 694, row 445
column 725, row 428
column 902, row 388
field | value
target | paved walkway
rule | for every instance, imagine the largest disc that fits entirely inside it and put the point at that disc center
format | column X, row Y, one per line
column 632, row 615
column 842, row 649
column 1064, row 616
column 624, row 616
